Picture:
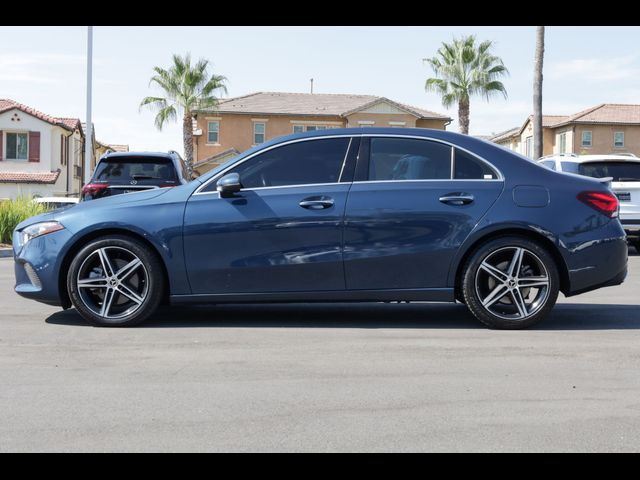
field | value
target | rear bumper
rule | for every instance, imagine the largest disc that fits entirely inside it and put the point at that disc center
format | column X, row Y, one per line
column 597, row 263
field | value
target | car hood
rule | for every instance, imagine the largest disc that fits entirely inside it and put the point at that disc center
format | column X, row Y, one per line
column 88, row 206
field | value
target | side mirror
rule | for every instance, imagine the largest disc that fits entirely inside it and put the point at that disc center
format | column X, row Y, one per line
column 229, row 184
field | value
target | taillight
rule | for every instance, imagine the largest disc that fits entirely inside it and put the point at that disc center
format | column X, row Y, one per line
column 604, row 202
column 93, row 188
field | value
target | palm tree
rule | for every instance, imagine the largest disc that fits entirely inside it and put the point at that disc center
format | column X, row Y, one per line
column 186, row 88
column 537, row 93
column 463, row 69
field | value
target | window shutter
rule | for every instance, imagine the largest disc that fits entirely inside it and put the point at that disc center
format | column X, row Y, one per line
column 1, row 151
column 34, row 146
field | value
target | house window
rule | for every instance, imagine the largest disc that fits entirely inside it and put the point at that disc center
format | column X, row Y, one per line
column 17, row 146
column 586, row 138
column 258, row 133
column 563, row 143
column 528, row 146
column 311, row 128
column 213, row 132
column 618, row 139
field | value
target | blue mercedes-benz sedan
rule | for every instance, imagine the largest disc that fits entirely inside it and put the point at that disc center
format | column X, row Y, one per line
column 353, row 215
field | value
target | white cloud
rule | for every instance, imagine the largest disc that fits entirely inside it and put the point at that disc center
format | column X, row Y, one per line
column 597, row 69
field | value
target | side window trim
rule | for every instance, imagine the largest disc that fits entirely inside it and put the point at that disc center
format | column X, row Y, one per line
column 350, row 159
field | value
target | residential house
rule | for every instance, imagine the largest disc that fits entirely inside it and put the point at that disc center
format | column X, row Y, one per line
column 39, row 154
column 603, row 129
column 237, row 124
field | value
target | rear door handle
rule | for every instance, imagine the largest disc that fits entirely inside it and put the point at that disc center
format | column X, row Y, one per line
column 457, row 198
column 317, row 203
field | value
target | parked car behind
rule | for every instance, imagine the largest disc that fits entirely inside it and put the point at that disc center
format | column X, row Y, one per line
column 127, row 172
column 624, row 171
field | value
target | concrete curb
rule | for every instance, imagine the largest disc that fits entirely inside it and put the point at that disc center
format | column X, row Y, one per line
column 6, row 252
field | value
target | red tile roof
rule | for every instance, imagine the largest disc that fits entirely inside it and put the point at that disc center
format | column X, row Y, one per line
column 24, row 177
column 66, row 123
column 316, row 104
column 607, row 113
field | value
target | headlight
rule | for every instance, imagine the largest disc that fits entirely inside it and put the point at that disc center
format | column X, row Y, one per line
column 37, row 230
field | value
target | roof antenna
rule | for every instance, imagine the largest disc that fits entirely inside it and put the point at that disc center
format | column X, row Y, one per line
column 311, row 80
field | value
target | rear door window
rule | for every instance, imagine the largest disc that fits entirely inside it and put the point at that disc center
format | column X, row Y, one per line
column 408, row 159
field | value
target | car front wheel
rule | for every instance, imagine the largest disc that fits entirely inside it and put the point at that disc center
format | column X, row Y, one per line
column 115, row 282
column 510, row 283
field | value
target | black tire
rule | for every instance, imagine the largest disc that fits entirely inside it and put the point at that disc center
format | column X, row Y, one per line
column 133, row 298
column 636, row 243
column 505, row 313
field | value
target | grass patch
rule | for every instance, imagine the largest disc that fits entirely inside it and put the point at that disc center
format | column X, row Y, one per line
column 12, row 212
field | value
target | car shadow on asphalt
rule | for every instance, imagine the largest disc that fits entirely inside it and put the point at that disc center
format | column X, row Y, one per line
column 565, row 316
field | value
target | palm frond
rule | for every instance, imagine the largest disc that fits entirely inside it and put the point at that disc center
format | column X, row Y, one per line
column 463, row 68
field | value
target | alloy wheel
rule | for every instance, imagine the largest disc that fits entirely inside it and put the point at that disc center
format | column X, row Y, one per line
column 112, row 282
column 512, row 283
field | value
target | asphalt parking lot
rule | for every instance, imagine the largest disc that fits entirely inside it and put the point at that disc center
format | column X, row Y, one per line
column 420, row 377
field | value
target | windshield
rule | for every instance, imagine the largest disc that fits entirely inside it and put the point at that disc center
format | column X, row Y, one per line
column 620, row 171
column 127, row 169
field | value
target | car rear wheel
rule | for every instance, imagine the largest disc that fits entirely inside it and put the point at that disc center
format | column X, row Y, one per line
column 510, row 283
column 115, row 282
column 636, row 243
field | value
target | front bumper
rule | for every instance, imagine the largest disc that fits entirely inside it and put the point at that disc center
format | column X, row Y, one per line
column 37, row 267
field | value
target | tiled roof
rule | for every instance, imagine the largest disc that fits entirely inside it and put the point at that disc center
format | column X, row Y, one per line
column 66, row 123
column 505, row 134
column 119, row 147
column 607, row 113
column 24, row 177
column 319, row 104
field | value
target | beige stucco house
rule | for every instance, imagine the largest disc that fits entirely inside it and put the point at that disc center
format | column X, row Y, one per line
column 237, row 124
column 40, row 155
column 603, row 129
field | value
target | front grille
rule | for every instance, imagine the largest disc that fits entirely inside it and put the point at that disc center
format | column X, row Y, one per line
column 33, row 276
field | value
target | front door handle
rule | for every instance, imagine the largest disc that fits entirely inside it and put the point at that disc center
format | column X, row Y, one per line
column 457, row 198
column 317, row 203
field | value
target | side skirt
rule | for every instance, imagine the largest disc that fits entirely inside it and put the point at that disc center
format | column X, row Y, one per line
column 412, row 295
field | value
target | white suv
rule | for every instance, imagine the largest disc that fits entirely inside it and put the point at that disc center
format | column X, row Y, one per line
column 624, row 169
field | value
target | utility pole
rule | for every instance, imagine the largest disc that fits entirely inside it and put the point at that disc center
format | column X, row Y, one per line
column 538, row 149
column 88, row 143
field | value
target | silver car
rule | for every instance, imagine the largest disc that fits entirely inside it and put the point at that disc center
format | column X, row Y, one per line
column 623, row 169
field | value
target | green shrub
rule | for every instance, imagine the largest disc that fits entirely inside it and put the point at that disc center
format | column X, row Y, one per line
column 12, row 212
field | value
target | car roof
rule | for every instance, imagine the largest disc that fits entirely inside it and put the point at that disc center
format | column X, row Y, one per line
column 591, row 158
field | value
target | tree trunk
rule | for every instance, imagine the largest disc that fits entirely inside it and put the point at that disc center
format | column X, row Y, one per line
column 463, row 115
column 537, row 94
column 187, row 138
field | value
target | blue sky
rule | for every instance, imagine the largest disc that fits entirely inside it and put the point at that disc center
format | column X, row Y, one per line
column 44, row 67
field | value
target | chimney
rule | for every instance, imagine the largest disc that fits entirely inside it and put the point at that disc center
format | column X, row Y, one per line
column 311, row 80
